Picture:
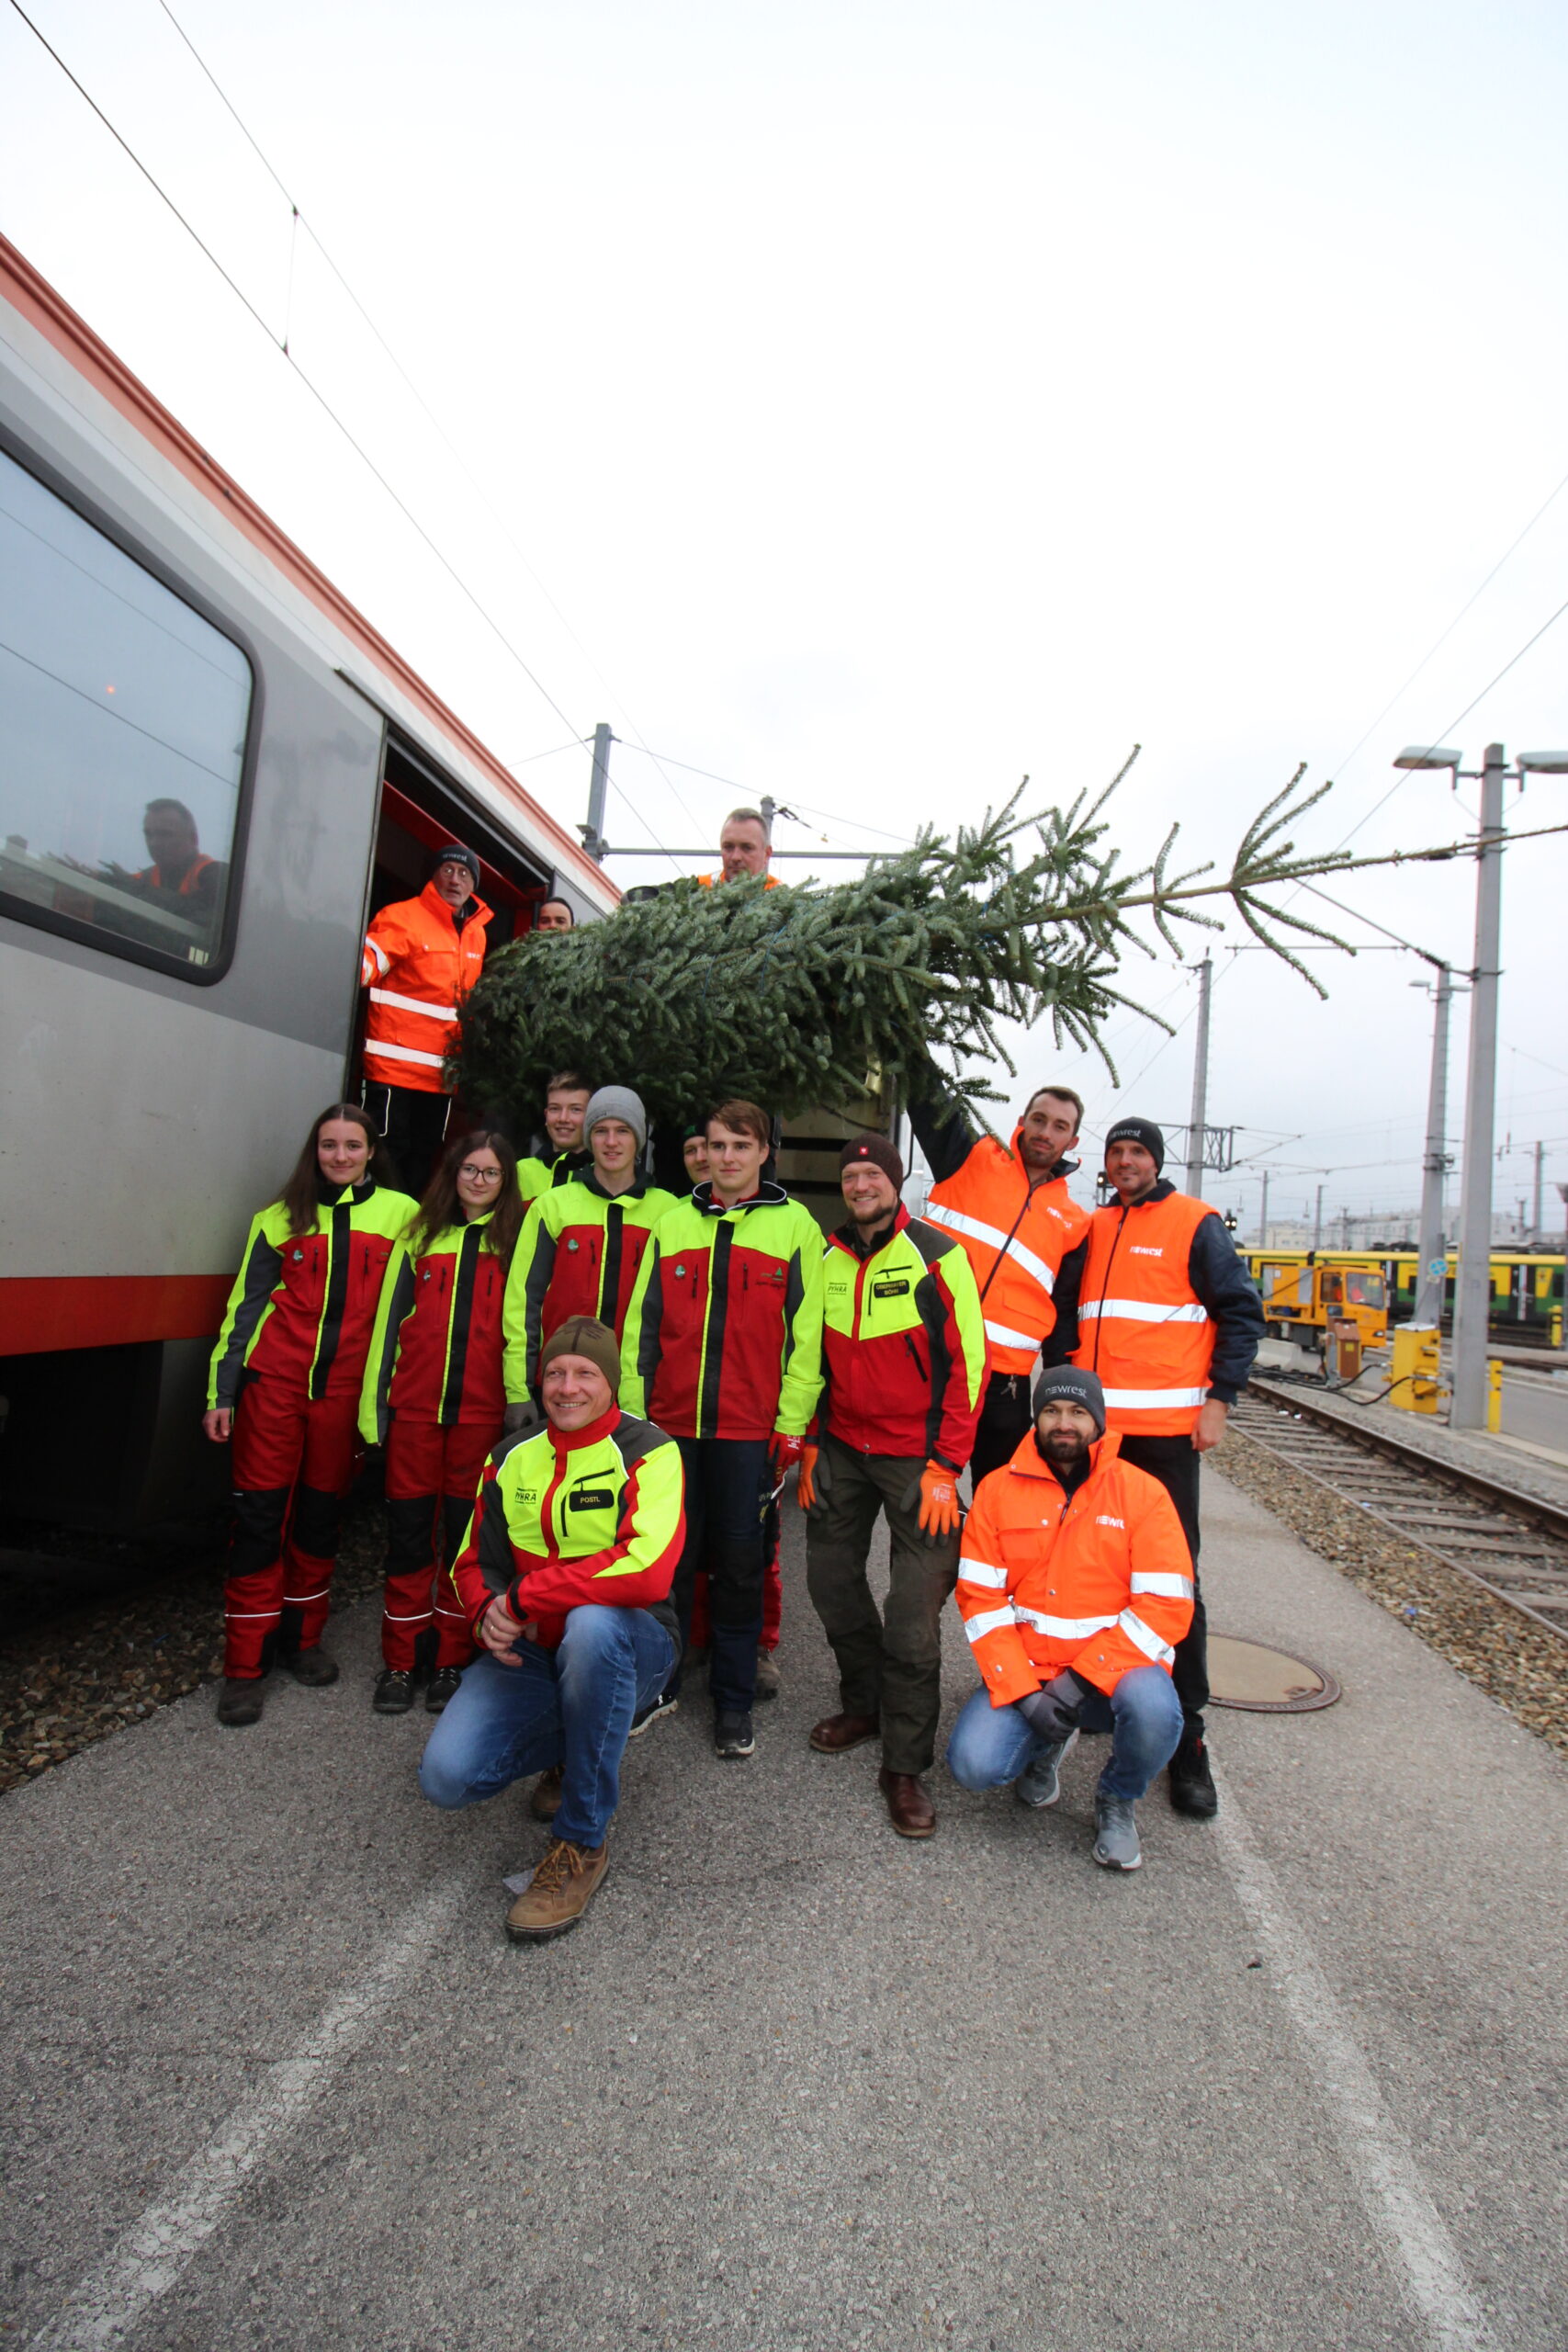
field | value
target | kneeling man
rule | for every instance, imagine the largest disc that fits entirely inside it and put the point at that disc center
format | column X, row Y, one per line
column 1074, row 1585
column 564, row 1577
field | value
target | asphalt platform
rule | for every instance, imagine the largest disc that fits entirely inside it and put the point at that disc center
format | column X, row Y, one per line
column 273, row 2076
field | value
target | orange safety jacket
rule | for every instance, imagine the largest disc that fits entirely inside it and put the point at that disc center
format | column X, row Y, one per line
column 190, row 881
column 769, row 881
column 1142, row 1326
column 1099, row 1581
column 421, row 960
column 1017, row 1234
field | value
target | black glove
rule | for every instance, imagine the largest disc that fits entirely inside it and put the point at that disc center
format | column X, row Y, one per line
column 523, row 1419
column 1053, row 1713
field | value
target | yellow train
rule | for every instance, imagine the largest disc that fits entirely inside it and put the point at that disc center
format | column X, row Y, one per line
column 1376, row 1287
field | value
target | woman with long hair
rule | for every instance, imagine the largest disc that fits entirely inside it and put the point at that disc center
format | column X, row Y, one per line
column 433, row 1396
column 283, row 1388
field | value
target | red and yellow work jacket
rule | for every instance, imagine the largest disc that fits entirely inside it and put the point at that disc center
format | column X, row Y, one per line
column 579, row 1253
column 435, row 1350
column 1016, row 1235
column 421, row 960
column 536, row 1176
column 303, row 1306
column 903, row 1344
column 562, row 1518
column 1099, row 1581
column 724, row 1333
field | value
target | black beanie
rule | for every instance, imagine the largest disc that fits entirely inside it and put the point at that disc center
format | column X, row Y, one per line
column 1079, row 1387
column 1141, row 1131
column 454, row 854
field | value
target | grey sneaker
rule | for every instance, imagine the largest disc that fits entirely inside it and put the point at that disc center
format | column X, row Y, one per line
column 1116, row 1846
column 1038, row 1784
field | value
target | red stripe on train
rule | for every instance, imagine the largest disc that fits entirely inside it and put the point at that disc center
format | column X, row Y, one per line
column 42, row 1312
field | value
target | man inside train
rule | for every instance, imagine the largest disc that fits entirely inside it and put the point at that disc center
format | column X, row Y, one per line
column 555, row 915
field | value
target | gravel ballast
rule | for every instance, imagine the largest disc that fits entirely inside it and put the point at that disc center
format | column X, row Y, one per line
column 1503, row 1652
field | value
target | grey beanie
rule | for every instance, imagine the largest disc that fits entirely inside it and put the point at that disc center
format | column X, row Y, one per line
column 616, row 1102
column 1078, row 1387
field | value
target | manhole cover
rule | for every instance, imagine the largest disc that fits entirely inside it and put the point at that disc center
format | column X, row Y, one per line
column 1265, row 1681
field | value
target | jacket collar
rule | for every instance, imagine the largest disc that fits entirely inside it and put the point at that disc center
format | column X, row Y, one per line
column 849, row 1233
column 1160, row 1190
column 1062, row 1168
column 591, row 1433
column 768, row 1196
column 473, row 909
column 1028, row 1463
column 589, row 1179
column 338, row 1196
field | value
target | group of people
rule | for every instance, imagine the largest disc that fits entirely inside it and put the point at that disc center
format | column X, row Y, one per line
column 591, row 1394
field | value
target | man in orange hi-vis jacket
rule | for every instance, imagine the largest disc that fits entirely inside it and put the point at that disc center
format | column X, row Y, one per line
column 422, row 956
column 1074, row 1585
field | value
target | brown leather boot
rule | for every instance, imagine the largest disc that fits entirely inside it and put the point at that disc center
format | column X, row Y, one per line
column 559, row 1893
column 545, row 1801
column 835, row 1733
column 908, row 1808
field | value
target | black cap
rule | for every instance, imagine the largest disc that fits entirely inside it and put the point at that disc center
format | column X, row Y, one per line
column 455, row 854
column 1141, row 1131
column 1077, row 1387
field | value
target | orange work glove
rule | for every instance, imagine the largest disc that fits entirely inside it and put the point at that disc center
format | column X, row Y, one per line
column 805, row 1492
column 939, row 1501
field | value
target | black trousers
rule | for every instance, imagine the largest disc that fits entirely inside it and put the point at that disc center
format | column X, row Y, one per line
column 413, row 1124
column 1005, row 1418
column 1175, row 1461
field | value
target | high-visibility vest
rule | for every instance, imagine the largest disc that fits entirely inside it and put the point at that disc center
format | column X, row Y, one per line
column 579, row 1253
column 902, row 1349
column 303, row 1306
column 1017, row 1236
column 436, row 1351
column 419, row 964
column 1099, row 1581
column 1141, row 1326
column 189, row 882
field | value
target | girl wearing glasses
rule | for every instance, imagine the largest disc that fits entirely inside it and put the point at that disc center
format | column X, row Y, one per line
column 284, row 1389
column 434, row 1397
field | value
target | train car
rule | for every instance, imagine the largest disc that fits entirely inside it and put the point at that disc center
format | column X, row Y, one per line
column 168, row 658
column 1527, row 1284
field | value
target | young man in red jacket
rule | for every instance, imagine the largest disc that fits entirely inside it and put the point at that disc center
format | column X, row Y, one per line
column 565, row 1579
column 1075, row 1587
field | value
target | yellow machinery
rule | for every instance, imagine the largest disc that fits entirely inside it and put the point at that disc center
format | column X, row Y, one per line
column 1414, row 1373
column 1313, row 1304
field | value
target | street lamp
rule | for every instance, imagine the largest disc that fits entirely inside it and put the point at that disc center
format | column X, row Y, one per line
column 1473, row 1284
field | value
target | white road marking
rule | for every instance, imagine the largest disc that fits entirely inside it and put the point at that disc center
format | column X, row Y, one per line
column 155, row 2251
column 1399, row 2205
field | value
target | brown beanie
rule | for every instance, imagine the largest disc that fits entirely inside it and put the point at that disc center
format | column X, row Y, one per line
column 879, row 1152
column 584, row 1335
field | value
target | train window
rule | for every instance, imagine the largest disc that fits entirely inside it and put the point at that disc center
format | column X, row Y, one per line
column 124, row 715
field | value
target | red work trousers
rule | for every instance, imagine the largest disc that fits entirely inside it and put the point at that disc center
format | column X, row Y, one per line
column 432, row 1476
column 773, row 1593
column 294, row 1459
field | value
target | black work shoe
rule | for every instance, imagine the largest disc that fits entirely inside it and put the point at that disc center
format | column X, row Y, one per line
column 1193, row 1789
column 241, row 1702
column 733, row 1738
column 443, row 1686
column 314, row 1668
column 393, row 1694
column 667, row 1704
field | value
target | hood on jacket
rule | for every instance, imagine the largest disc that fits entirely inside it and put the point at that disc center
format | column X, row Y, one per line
column 768, row 1196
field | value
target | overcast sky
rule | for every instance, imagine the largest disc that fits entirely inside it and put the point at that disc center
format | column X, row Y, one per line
column 875, row 403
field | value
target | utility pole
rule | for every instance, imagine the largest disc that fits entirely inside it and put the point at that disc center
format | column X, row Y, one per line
column 1199, row 1081
column 1317, row 1222
column 1431, row 1277
column 594, row 840
column 1473, row 1285
column 1537, row 1230
column 1263, row 1216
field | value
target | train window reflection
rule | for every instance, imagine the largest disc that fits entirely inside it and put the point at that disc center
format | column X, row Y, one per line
column 123, row 717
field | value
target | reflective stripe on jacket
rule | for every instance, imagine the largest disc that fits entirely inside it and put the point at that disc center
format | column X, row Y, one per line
column 435, row 1350
column 579, row 1254
column 563, row 1518
column 303, row 1304
column 1016, row 1235
column 1099, row 1581
column 1141, row 1326
column 419, row 964
column 903, row 1345
column 724, row 1333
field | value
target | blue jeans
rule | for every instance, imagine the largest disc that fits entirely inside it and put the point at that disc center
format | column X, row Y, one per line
column 571, row 1706
column 728, row 1485
column 991, row 1745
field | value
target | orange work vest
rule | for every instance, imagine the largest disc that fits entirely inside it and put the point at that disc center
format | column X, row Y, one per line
column 769, row 881
column 1142, row 1326
column 419, row 965
column 1017, row 1238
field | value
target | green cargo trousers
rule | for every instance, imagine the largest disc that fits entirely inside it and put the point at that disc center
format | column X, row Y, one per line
column 888, row 1666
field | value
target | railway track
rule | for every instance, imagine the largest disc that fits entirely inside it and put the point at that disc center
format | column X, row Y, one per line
column 1514, row 1545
